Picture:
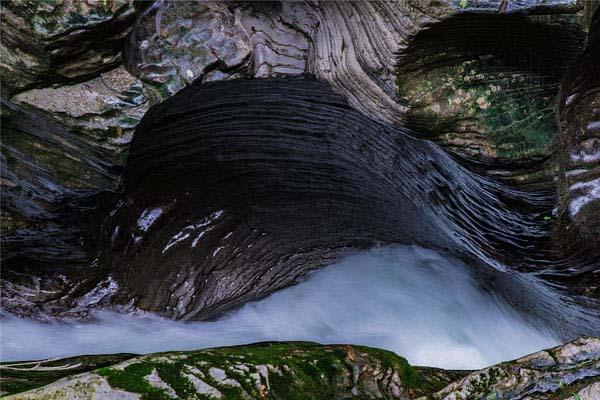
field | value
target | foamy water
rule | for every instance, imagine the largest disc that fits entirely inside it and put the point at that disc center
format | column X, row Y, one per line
column 415, row 302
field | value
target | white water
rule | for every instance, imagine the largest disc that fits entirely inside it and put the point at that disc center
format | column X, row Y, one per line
column 412, row 301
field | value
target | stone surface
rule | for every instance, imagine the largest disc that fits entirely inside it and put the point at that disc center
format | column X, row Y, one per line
column 262, row 180
column 579, row 152
column 260, row 371
column 47, row 42
column 302, row 370
column 481, row 86
column 66, row 132
column 551, row 374
column 176, row 43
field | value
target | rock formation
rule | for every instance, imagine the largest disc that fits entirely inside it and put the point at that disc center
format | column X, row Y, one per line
column 310, row 371
column 332, row 167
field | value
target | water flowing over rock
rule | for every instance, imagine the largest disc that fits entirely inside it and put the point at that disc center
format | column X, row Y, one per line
column 263, row 180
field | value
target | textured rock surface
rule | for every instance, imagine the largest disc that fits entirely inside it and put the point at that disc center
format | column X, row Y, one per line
column 61, row 145
column 579, row 140
column 46, row 42
column 282, row 176
column 483, row 88
column 295, row 370
column 302, row 370
column 176, row 43
column 555, row 373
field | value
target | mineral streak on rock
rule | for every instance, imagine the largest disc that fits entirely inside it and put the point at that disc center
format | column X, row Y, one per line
column 579, row 146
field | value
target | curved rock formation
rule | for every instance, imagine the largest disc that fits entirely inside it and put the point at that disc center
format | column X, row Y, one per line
column 236, row 189
column 579, row 118
column 360, row 183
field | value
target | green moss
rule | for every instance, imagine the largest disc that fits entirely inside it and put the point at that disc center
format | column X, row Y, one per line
column 512, row 111
column 297, row 370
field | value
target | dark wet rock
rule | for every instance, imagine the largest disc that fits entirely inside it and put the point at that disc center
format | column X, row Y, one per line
column 235, row 189
column 47, row 42
column 62, row 145
column 305, row 370
column 579, row 141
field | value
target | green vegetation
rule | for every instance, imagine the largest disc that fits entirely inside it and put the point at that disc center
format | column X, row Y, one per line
column 481, row 109
column 18, row 377
column 296, row 370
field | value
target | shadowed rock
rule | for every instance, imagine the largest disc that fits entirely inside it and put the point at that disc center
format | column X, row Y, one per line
column 236, row 189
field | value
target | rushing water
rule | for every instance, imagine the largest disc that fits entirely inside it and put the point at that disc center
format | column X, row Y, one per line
column 415, row 302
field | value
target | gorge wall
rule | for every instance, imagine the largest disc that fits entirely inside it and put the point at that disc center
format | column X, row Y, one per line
column 313, row 145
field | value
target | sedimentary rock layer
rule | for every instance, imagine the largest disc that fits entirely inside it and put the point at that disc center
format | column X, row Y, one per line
column 235, row 189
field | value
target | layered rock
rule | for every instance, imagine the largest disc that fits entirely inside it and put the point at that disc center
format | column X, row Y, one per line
column 235, row 189
column 63, row 145
column 60, row 41
column 310, row 371
column 579, row 141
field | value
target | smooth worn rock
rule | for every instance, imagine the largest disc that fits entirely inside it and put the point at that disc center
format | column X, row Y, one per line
column 235, row 189
column 47, row 42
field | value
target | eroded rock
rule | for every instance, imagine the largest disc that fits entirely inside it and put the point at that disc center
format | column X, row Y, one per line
column 543, row 375
column 47, row 42
column 579, row 153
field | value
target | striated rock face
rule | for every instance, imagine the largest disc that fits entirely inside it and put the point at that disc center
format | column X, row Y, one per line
column 579, row 141
column 235, row 189
column 302, row 370
column 60, row 41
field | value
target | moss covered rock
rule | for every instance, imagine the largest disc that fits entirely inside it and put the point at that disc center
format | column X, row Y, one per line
column 54, row 41
column 293, row 370
column 484, row 88
column 304, row 370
